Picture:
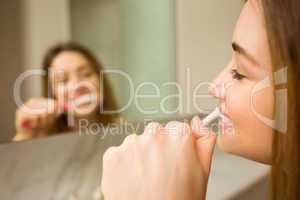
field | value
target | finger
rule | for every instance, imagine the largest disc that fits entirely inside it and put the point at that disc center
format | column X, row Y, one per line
column 179, row 129
column 152, row 129
column 130, row 140
column 205, row 148
column 109, row 163
column 110, row 157
column 22, row 120
column 34, row 107
column 32, row 121
column 47, row 119
column 151, row 134
column 198, row 128
column 43, row 119
column 22, row 136
column 205, row 143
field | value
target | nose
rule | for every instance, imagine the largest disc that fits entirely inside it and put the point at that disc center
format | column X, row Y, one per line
column 72, row 88
column 215, row 89
column 73, row 82
column 218, row 87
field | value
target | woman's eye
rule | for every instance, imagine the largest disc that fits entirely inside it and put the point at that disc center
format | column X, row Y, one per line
column 236, row 75
column 86, row 74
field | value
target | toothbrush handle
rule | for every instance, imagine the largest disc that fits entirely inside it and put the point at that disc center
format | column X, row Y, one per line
column 211, row 117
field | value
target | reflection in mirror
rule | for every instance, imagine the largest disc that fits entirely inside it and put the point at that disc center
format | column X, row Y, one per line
column 71, row 95
column 74, row 59
column 100, row 62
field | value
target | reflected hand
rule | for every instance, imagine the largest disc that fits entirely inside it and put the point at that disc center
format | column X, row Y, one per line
column 36, row 118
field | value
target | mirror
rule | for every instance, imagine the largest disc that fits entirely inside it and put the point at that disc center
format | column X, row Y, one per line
column 147, row 56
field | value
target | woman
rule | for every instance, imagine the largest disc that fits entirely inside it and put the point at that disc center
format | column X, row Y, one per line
column 176, row 166
column 72, row 91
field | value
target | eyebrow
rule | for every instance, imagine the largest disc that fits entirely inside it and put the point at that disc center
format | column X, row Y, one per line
column 83, row 67
column 237, row 48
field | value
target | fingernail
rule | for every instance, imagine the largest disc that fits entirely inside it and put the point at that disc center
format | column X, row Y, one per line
column 196, row 124
column 26, row 123
column 198, row 127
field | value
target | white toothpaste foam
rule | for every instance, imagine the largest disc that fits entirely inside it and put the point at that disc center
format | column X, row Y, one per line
column 89, row 98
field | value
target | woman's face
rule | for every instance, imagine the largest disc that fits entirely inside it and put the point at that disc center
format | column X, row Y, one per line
column 249, row 65
column 74, row 77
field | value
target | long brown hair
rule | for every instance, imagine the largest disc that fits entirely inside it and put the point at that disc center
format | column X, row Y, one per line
column 109, row 101
column 283, row 26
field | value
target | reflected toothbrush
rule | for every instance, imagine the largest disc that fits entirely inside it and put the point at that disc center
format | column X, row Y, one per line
column 64, row 107
column 84, row 99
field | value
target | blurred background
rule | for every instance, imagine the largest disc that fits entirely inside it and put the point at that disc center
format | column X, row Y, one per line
column 156, row 41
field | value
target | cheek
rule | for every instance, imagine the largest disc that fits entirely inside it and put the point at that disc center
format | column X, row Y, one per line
column 246, row 107
column 252, row 138
column 238, row 102
column 263, row 104
column 90, row 84
column 95, row 81
column 96, row 84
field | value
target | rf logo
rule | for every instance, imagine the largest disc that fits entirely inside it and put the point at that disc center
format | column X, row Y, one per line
column 279, row 123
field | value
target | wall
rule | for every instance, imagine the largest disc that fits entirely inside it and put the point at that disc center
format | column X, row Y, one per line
column 45, row 22
column 28, row 28
column 203, row 41
column 137, row 37
column 10, row 64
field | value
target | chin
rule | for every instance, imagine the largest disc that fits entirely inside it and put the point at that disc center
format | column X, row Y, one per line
column 249, row 148
column 85, row 111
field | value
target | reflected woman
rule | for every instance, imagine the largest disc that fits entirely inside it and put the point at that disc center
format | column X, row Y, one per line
column 73, row 90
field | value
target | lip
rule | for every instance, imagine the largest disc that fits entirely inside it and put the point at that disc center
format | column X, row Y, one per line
column 224, row 115
column 222, row 108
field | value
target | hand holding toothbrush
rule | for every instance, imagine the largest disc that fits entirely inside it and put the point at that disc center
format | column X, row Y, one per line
column 36, row 118
column 165, row 163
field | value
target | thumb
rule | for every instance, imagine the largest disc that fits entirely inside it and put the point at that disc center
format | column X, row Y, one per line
column 205, row 143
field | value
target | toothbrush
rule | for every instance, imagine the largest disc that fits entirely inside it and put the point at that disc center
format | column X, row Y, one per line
column 212, row 117
column 26, row 123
